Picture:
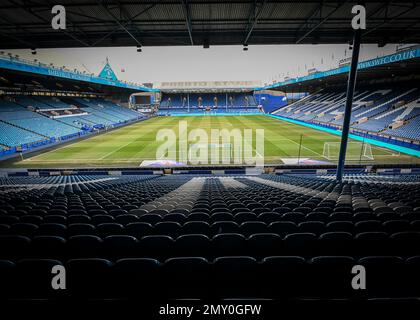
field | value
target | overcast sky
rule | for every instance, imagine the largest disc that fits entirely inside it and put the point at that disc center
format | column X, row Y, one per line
column 158, row 64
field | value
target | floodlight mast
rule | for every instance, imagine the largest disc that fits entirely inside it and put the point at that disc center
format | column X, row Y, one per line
column 351, row 83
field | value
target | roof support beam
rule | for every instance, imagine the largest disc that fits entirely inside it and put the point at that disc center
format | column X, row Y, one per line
column 407, row 38
column 91, row 3
column 127, row 15
column 22, row 41
column 258, row 8
column 387, row 21
column 381, row 7
column 126, row 23
column 313, row 16
column 28, row 9
column 277, row 22
column 186, row 9
column 321, row 22
column 118, row 22
column 74, row 25
column 27, row 32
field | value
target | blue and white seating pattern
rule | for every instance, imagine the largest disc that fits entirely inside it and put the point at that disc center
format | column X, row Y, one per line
column 205, row 103
column 13, row 136
column 373, row 110
column 276, row 237
column 23, row 119
column 410, row 130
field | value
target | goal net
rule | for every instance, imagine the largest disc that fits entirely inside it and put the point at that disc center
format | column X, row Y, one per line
column 355, row 151
column 211, row 153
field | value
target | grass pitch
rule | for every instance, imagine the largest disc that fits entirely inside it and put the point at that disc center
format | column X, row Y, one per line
column 129, row 146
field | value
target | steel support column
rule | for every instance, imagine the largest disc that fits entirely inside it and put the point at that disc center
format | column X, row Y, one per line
column 351, row 83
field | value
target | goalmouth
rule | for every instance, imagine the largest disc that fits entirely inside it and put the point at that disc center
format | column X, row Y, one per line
column 215, row 153
column 355, row 151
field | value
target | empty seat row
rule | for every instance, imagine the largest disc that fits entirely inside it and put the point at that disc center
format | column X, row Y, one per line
column 117, row 206
column 100, row 216
column 257, row 245
column 224, row 277
column 174, row 229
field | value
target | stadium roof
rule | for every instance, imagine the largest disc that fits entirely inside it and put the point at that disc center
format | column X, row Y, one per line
column 402, row 66
column 26, row 24
column 9, row 62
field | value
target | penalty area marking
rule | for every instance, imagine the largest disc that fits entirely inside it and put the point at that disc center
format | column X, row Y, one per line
column 303, row 147
column 98, row 135
column 393, row 154
column 113, row 151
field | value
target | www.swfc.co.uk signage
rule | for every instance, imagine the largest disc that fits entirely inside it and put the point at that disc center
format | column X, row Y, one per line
column 396, row 57
column 14, row 64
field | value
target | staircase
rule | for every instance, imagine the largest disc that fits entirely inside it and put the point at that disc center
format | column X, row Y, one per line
column 410, row 107
column 387, row 113
column 383, row 92
column 303, row 100
column 386, row 102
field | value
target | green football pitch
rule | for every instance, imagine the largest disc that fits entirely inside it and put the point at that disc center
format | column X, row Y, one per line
column 136, row 144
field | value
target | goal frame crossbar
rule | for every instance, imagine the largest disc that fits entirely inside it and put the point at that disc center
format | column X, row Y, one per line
column 363, row 151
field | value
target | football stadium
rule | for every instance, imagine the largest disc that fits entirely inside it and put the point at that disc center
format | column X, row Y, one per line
column 149, row 159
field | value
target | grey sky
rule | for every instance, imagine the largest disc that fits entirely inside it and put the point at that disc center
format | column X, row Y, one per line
column 156, row 64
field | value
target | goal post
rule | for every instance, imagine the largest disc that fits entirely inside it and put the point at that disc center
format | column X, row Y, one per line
column 214, row 153
column 355, row 151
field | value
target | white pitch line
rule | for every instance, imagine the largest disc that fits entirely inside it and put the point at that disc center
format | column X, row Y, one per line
column 84, row 160
column 55, row 149
column 304, row 147
column 385, row 150
column 256, row 152
column 113, row 151
column 123, row 146
column 88, row 138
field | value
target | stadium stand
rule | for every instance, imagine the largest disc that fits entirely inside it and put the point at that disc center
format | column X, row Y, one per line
column 263, row 236
column 409, row 130
column 202, row 103
column 14, row 136
column 234, row 235
column 374, row 111
column 33, row 121
column 27, row 120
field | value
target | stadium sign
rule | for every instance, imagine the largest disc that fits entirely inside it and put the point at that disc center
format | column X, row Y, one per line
column 107, row 72
column 344, row 62
column 390, row 59
column 312, row 71
column 208, row 84
column 396, row 57
column 11, row 63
